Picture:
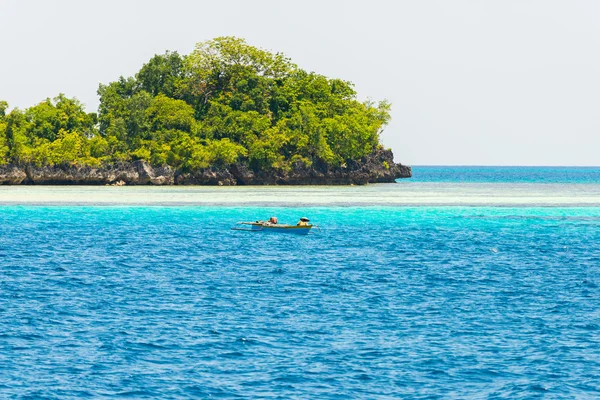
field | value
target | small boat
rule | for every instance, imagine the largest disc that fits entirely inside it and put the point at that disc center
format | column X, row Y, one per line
column 269, row 226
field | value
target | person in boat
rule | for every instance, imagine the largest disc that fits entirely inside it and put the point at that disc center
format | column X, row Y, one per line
column 303, row 222
column 273, row 220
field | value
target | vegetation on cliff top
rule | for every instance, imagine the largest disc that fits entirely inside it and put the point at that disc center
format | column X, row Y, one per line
column 225, row 102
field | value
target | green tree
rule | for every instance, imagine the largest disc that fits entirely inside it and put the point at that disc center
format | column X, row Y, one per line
column 16, row 137
column 47, row 118
column 228, row 69
column 4, row 150
column 3, row 108
column 161, row 74
column 165, row 113
column 227, row 102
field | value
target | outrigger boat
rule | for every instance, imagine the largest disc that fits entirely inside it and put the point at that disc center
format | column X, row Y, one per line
column 273, row 226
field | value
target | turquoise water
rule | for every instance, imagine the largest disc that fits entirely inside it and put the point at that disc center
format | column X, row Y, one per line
column 457, row 174
column 385, row 301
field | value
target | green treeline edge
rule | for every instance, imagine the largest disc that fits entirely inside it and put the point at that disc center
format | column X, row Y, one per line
column 225, row 102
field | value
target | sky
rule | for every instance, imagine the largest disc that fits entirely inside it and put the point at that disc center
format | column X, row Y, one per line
column 495, row 82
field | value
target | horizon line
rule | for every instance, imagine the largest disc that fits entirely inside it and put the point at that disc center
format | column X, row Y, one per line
column 502, row 166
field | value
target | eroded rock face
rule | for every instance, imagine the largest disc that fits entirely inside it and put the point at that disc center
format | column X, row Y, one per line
column 212, row 176
column 63, row 175
column 134, row 173
column 11, row 175
column 147, row 174
column 378, row 167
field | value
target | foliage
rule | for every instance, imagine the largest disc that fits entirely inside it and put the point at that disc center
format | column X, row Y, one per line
column 225, row 102
column 56, row 131
column 4, row 149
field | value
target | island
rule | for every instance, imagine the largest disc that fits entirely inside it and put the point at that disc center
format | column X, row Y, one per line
column 227, row 114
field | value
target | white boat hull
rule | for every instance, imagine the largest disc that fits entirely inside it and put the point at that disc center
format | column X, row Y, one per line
column 275, row 228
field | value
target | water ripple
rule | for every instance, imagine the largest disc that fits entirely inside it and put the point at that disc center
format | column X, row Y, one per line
column 166, row 302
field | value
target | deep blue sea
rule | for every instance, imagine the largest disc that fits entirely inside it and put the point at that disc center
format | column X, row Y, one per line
column 424, row 302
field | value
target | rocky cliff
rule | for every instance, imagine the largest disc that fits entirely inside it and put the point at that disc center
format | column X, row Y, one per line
column 378, row 167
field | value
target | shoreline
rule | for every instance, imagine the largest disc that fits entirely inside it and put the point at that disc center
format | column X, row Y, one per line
column 377, row 168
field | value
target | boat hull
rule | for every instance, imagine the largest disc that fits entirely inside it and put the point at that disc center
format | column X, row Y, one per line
column 260, row 226
column 294, row 230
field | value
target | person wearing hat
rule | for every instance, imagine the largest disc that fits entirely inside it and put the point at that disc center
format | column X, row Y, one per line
column 303, row 222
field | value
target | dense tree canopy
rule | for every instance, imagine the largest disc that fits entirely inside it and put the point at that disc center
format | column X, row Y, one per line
column 225, row 102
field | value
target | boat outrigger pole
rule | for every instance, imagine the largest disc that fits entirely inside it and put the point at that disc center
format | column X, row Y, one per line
column 266, row 226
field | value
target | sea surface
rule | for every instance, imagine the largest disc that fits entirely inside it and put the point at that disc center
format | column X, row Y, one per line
column 463, row 282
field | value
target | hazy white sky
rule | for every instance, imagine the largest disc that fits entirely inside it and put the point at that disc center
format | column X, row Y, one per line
column 471, row 82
